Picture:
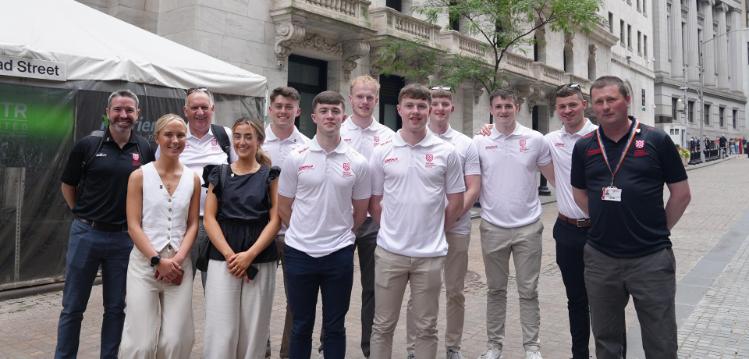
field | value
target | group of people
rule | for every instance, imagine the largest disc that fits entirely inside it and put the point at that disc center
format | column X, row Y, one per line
column 248, row 197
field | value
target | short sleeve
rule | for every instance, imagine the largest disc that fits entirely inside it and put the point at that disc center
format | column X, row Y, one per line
column 577, row 171
column 544, row 155
column 454, row 182
column 472, row 165
column 363, row 185
column 673, row 169
column 72, row 173
column 214, row 178
column 287, row 182
column 377, row 172
column 274, row 173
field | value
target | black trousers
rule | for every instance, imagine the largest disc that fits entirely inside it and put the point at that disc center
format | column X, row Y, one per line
column 570, row 241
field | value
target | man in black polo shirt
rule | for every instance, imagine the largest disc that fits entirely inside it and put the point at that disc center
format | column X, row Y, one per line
column 617, row 177
column 94, row 185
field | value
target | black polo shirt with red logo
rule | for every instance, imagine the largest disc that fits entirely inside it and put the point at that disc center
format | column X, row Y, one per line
column 102, row 183
column 636, row 226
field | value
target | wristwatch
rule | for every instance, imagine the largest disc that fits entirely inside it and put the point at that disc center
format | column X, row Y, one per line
column 155, row 261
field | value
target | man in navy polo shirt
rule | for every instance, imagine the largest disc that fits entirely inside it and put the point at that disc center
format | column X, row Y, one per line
column 618, row 172
column 94, row 185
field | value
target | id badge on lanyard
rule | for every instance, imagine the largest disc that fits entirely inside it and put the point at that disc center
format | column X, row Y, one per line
column 612, row 193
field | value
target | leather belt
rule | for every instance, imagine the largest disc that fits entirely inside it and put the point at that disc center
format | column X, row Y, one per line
column 104, row 226
column 578, row 222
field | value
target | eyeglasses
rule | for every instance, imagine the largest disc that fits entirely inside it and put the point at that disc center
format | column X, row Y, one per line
column 192, row 90
column 443, row 88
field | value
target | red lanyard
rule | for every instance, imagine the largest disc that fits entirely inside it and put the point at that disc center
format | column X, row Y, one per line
column 624, row 153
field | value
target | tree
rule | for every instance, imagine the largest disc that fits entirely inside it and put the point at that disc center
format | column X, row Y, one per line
column 502, row 24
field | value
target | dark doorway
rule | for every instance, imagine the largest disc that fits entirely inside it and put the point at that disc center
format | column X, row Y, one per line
column 309, row 77
column 390, row 86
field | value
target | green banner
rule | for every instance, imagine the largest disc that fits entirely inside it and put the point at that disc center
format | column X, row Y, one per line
column 34, row 122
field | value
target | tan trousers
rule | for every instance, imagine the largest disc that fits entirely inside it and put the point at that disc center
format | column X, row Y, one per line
column 158, row 315
column 392, row 273
column 524, row 244
column 454, row 274
column 237, row 312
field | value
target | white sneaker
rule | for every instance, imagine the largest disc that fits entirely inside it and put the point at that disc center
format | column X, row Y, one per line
column 454, row 354
column 493, row 352
column 533, row 354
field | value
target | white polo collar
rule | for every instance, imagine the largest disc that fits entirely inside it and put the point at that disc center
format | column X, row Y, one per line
column 429, row 140
column 519, row 130
column 314, row 146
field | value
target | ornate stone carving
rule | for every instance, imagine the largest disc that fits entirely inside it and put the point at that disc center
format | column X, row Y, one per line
column 352, row 51
column 320, row 43
column 286, row 35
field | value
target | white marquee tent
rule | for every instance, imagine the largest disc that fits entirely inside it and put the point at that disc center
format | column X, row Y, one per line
column 96, row 46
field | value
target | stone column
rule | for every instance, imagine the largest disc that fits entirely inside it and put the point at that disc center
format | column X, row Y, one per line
column 734, row 52
column 722, row 46
column 692, row 54
column 708, row 49
column 660, row 39
column 677, row 59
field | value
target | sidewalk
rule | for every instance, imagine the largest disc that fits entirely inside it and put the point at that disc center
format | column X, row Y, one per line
column 715, row 323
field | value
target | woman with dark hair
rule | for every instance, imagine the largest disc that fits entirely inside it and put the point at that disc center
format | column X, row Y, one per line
column 241, row 220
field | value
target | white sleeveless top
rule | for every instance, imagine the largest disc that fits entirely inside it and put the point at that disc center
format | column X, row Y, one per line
column 164, row 217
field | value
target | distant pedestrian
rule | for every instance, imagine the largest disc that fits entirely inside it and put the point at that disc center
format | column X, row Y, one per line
column 94, row 185
column 618, row 173
column 162, row 209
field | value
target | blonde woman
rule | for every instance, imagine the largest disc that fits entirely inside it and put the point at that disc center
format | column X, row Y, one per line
column 241, row 220
column 163, row 198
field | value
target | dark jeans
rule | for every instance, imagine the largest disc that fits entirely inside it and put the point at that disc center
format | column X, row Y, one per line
column 651, row 281
column 570, row 241
column 87, row 250
column 332, row 276
column 366, row 243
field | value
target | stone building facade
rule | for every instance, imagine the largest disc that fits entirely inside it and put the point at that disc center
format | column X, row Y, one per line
column 315, row 45
column 699, row 82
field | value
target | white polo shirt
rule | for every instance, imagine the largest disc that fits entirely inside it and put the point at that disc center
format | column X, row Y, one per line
column 278, row 150
column 322, row 186
column 364, row 140
column 469, row 163
column 414, row 181
column 561, row 144
column 200, row 152
column 509, row 164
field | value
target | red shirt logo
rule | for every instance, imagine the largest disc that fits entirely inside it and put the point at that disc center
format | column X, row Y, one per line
column 306, row 167
column 214, row 142
column 136, row 160
column 523, row 145
column 391, row 160
column 346, row 166
column 491, row 147
column 639, row 143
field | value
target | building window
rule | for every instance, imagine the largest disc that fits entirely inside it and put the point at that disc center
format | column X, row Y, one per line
column 706, row 115
column 621, row 33
column 642, row 93
column 309, row 77
column 611, row 22
column 670, row 33
column 639, row 43
column 645, row 45
column 674, row 108
column 721, row 119
column 629, row 36
column 591, row 62
column 734, row 119
column 639, row 6
column 645, row 7
column 567, row 59
column 690, row 109
column 394, row 4
column 539, row 45
column 454, row 17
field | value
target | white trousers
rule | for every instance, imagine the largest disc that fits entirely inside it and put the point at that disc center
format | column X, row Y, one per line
column 237, row 312
column 158, row 315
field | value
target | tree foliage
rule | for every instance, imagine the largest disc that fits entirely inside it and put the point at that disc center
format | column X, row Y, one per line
column 502, row 25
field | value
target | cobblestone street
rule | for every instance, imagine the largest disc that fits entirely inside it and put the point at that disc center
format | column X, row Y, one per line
column 712, row 256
